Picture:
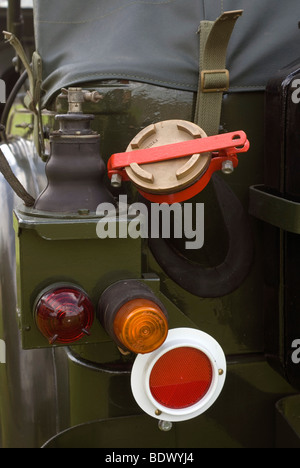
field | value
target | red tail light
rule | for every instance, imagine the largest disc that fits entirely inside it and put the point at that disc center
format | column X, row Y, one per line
column 64, row 314
column 182, row 379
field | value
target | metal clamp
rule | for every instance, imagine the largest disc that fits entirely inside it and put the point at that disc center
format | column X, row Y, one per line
column 224, row 148
column 274, row 209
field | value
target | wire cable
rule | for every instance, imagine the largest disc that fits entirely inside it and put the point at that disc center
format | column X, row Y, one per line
column 5, row 168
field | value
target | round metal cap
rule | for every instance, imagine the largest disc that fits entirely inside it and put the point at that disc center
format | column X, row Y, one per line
column 168, row 176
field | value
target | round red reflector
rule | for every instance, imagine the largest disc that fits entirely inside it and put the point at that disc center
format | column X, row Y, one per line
column 64, row 314
column 181, row 378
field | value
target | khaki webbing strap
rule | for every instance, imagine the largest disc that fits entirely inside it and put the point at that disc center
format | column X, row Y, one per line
column 213, row 77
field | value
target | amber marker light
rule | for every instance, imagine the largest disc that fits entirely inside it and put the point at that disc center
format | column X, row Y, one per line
column 141, row 326
column 133, row 316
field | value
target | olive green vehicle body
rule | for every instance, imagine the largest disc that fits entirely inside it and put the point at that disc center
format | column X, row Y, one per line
column 80, row 396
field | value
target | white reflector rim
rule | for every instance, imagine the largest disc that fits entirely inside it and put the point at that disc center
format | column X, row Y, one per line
column 144, row 363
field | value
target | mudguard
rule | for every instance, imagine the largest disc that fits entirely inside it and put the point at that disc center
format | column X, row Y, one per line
column 27, row 395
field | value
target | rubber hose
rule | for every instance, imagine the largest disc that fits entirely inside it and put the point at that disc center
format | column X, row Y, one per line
column 222, row 279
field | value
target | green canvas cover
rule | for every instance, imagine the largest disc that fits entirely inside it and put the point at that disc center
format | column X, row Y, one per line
column 156, row 41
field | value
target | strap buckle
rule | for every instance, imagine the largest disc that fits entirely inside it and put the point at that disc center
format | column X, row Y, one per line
column 210, row 83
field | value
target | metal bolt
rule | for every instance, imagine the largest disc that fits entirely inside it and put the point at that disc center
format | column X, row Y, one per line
column 116, row 180
column 93, row 96
column 165, row 426
column 221, row 372
column 227, row 167
column 157, row 412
